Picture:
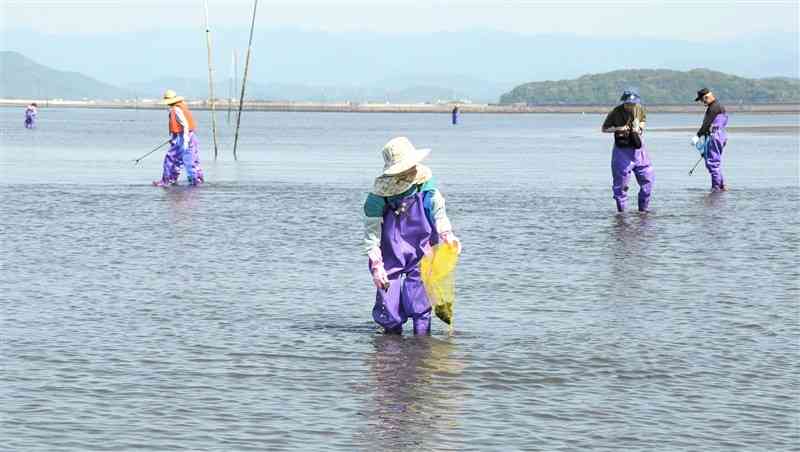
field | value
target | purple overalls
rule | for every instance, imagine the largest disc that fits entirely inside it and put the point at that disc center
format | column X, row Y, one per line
column 407, row 234
column 716, row 144
column 623, row 161
column 177, row 157
column 30, row 118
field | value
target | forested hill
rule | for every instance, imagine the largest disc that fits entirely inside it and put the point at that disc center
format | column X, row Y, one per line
column 656, row 86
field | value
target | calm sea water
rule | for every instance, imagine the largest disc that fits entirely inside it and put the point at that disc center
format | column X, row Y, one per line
column 236, row 316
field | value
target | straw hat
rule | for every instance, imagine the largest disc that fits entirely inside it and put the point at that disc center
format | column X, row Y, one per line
column 400, row 156
column 171, row 97
column 395, row 185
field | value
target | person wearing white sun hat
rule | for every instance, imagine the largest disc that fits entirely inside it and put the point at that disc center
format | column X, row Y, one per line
column 404, row 216
column 184, row 149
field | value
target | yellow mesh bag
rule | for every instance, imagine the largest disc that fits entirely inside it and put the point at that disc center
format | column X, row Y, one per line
column 438, row 271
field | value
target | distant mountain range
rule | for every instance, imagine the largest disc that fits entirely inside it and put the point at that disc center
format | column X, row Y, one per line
column 23, row 78
column 409, row 90
column 662, row 87
column 297, row 64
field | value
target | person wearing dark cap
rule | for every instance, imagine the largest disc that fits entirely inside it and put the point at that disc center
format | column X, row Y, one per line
column 627, row 121
column 712, row 137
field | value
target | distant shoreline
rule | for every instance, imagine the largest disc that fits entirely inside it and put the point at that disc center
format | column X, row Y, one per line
column 353, row 107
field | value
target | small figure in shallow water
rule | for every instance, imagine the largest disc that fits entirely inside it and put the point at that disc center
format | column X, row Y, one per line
column 455, row 114
column 30, row 116
column 627, row 122
column 714, row 135
column 404, row 217
column 184, row 150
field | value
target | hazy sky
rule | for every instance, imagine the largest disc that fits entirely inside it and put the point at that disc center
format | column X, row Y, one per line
column 693, row 20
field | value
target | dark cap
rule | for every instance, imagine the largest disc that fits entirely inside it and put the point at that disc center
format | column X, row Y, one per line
column 702, row 93
column 630, row 96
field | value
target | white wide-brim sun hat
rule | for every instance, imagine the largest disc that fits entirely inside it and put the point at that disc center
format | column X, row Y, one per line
column 171, row 97
column 399, row 156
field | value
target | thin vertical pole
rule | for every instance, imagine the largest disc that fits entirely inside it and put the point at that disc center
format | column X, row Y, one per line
column 230, row 87
column 235, row 72
column 244, row 79
column 211, row 85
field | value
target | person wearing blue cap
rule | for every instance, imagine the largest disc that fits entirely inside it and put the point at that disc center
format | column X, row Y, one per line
column 627, row 121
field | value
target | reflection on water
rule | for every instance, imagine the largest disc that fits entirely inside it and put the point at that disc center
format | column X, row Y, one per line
column 632, row 226
column 182, row 202
column 412, row 406
column 631, row 234
column 715, row 199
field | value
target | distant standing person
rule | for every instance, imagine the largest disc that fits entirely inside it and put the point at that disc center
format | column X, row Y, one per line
column 183, row 151
column 455, row 115
column 627, row 121
column 30, row 115
column 714, row 137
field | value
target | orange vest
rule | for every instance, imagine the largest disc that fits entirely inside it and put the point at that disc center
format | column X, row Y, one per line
column 174, row 126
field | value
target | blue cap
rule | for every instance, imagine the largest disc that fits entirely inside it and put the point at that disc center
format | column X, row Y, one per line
column 630, row 96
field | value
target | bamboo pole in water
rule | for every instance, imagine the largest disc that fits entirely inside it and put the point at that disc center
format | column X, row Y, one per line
column 244, row 79
column 230, row 87
column 235, row 73
column 234, row 82
column 211, row 85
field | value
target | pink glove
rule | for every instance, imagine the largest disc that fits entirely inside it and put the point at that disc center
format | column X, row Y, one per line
column 379, row 276
column 449, row 238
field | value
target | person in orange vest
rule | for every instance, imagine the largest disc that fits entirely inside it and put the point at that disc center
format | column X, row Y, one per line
column 184, row 150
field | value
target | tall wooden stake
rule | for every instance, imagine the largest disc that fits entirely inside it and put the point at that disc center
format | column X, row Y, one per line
column 211, row 85
column 234, row 82
column 230, row 87
column 235, row 72
column 244, row 79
